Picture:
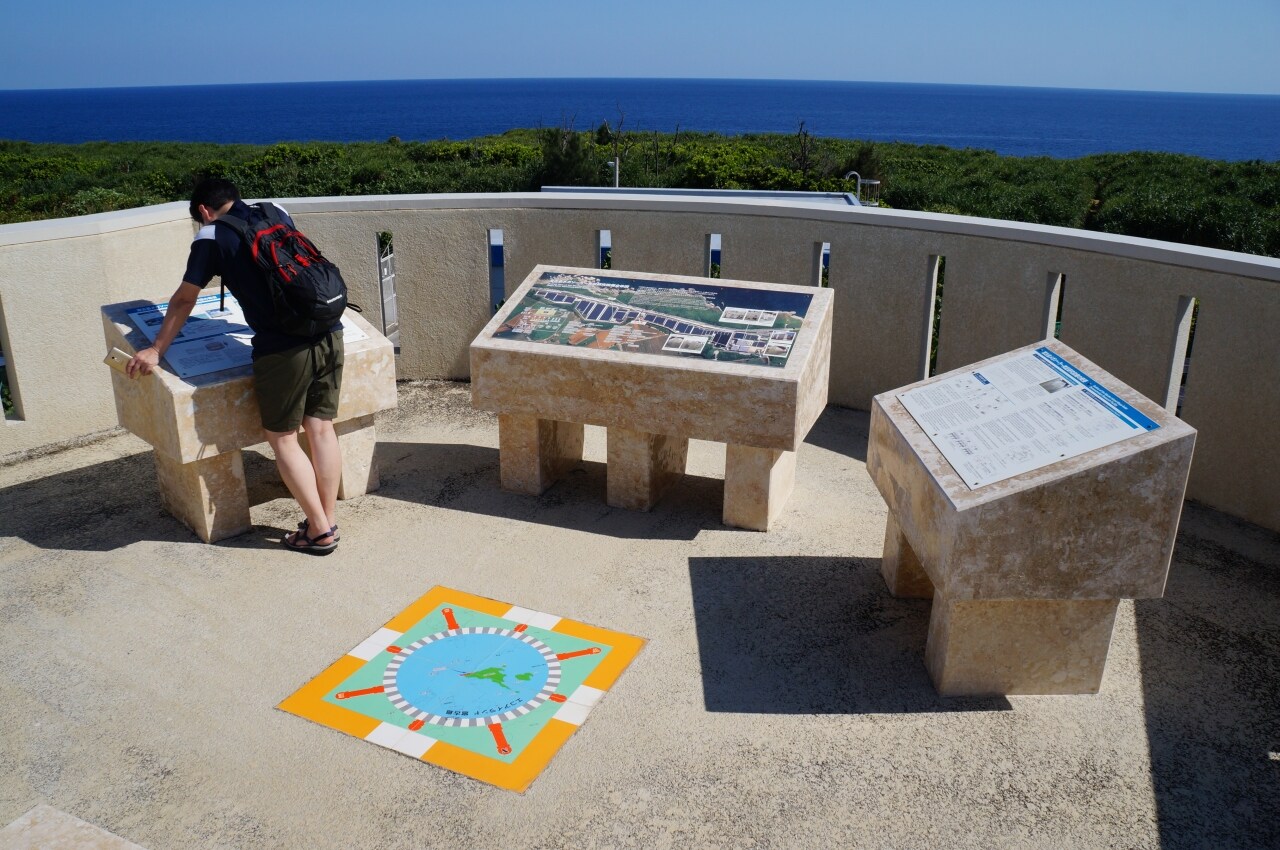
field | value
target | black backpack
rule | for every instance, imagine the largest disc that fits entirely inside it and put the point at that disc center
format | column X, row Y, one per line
column 307, row 290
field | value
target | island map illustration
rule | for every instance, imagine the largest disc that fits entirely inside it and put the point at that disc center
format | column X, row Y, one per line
column 714, row 322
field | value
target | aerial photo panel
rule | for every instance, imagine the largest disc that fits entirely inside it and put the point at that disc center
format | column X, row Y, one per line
column 689, row 320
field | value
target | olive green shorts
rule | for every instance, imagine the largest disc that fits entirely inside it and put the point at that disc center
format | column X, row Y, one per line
column 302, row 381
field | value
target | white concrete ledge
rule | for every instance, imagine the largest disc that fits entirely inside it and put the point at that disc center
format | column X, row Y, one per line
column 92, row 225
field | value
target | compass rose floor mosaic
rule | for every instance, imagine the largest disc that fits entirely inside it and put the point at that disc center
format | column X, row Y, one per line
column 481, row 687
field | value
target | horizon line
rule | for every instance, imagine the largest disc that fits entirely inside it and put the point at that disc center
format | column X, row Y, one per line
column 636, row 79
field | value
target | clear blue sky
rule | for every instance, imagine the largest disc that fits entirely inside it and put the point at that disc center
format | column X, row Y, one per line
column 1156, row 45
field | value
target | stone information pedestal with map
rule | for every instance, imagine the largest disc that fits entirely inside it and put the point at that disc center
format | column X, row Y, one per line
column 657, row 360
column 1027, row 495
column 198, row 424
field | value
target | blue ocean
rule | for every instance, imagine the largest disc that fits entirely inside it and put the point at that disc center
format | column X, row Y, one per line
column 1008, row 120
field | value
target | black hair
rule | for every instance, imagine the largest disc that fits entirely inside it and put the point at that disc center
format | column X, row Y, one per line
column 212, row 192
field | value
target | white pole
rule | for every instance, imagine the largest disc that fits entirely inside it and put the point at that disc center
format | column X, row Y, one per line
column 858, row 191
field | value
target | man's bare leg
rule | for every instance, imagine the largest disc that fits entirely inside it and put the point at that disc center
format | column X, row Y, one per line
column 300, row 477
column 326, row 460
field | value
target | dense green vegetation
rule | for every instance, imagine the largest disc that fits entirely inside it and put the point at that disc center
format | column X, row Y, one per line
column 1230, row 205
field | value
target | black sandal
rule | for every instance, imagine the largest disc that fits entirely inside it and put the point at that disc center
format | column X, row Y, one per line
column 310, row 544
column 305, row 525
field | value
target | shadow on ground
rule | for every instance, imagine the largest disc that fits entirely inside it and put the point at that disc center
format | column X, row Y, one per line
column 116, row 503
column 774, row 638
column 842, row 431
column 108, row 505
column 464, row 477
column 1210, row 656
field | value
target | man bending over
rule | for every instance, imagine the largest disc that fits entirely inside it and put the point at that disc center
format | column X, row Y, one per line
column 296, row 379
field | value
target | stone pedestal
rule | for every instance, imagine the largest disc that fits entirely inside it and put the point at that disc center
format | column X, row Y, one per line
column 198, row 425
column 652, row 403
column 1012, row 646
column 757, row 484
column 208, row 495
column 533, row 452
column 902, row 570
column 641, row 466
column 1026, row 573
column 358, row 439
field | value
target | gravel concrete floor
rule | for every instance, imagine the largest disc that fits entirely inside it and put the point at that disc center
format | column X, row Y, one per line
column 781, row 701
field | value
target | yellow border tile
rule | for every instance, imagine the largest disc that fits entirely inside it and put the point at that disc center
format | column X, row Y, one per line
column 514, row 776
column 308, row 701
column 625, row 648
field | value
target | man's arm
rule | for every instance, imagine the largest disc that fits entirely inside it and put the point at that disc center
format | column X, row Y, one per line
column 180, row 307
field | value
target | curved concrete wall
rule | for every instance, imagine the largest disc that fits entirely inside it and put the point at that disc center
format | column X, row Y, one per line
column 54, row 277
column 1123, row 303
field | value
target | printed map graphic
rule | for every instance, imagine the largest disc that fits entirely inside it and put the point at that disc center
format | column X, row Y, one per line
column 485, row 688
column 724, row 323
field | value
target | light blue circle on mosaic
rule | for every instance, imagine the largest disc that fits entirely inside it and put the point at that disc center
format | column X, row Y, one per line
column 471, row 675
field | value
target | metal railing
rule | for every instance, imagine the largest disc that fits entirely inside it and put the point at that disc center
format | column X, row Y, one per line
column 387, row 289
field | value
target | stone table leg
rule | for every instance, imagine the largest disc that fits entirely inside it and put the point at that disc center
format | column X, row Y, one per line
column 641, row 466
column 900, row 567
column 208, row 495
column 533, row 452
column 757, row 484
column 1041, row 646
column 357, row 440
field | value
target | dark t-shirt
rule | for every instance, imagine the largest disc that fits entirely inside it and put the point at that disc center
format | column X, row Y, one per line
column 219, row 251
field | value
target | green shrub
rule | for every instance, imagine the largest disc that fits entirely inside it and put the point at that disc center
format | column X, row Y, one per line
column 96, row 200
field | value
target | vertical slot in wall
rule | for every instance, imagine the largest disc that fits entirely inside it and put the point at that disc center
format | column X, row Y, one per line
column 387, row 288
column 497, row 269
column 821, row 264
column 713, row 255
column 1184, row 336
column 12, row 398
column 934, row 273
column 1055, row 283
column 604, row 248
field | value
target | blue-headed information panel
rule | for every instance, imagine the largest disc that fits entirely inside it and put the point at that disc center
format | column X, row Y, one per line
column 215, row 336
column 1018, row 414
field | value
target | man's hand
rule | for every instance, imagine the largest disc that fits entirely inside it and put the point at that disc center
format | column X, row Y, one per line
column 143, row 362
column 180, row 307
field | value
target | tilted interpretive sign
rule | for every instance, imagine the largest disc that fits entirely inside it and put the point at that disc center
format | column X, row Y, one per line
column 724, row 323
column 1020, row 413
column 1027, row 494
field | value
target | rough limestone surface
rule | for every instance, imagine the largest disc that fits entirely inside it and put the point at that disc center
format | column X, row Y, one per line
column 781, row 701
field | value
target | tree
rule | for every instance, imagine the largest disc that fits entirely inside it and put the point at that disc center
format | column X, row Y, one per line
column 567, row 160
